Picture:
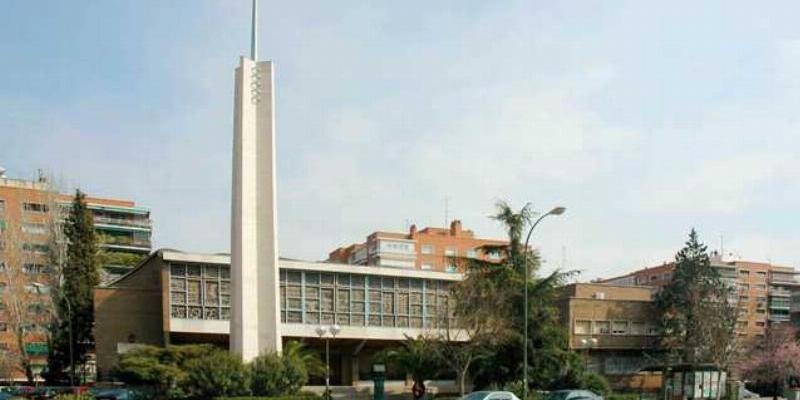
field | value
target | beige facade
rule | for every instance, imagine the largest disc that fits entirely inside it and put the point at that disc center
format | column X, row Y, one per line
column 613, row 327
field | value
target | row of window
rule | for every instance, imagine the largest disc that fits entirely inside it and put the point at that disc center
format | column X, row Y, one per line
column 27, row 328
column 451, row 251
column 618, row 327
column 38, row 288
column 362, row 300
column 198, row 291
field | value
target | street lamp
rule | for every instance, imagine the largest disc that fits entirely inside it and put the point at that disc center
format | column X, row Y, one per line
column 554, row 211
column 39, row 288
column 323, row 331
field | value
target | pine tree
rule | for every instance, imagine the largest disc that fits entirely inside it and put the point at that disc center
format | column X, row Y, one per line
column 75, row 296
column 698, row 316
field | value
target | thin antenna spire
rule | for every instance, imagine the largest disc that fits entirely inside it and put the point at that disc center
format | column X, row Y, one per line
column 254, row 32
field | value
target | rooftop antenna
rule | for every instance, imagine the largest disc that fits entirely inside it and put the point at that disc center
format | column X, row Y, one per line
column 254, row 32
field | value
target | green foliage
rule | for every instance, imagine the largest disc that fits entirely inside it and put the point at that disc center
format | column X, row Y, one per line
column 596, row 383
column 495, row 292
column 290, row 397
column 697, row 319
column 276, row 374
column 217, row 373
column 74, row 397
column 623, row 396
column 75, row 298
column 165, row 369
column 416, row 357
column 110, row 258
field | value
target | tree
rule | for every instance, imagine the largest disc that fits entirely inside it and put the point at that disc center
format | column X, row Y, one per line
column 75, row 299
column 275, row 374
column 165, row 369
column 698, row 315
column 488, row 309
column 417, row 357
column 775, row 360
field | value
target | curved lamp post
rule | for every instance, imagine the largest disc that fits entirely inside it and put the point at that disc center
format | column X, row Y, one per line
column 554, row 211
column 39, row 289
column 323, row 332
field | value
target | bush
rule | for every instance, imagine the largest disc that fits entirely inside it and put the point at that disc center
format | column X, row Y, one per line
column 595, row 383
column 623, row 396
column 283, row 374
column 292, row 397
column 217, row 373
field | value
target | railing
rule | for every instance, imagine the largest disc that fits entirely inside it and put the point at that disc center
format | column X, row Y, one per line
column 144, row 223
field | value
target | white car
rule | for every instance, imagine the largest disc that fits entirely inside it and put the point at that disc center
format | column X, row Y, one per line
column 488, row 395
column 574, row 394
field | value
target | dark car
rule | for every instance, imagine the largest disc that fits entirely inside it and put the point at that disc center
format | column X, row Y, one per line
column 111, row 394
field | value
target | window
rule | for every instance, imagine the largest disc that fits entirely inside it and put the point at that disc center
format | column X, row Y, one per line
column 761, row 286
column 427, row 249
column 35, row 269
column 583, row 327
column 761, row 311
column 427, row 266
column 2, row 205
column 472, row 253
column 451, row 268
column 637, row 328
column 602, row 328
column 651, row 330
column 744, row 298
column 653, row 277
column 761, row 298
column 761, row 275
column 35, row 207
column 2, row 287
column 619, row 327
column 744, row 286
column 494, row 254
column 34, row 228
column 37, row 248
column 451, row 252
column 760, row 324
column 744, row 272
column 741, row 325
column 3, row 327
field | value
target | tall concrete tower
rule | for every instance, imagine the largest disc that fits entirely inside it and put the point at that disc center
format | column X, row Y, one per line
column 255, row 326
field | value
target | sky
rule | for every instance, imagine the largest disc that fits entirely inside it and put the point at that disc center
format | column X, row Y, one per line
column 644, row 119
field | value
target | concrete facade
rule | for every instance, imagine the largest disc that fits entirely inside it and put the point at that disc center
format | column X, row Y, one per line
column 613, row 327
column 254, row 239
column 184, row 298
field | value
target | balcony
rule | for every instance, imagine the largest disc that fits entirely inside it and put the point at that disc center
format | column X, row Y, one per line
column 779, row 292
column 779, row 318
column 616, row 342
column 131, row 222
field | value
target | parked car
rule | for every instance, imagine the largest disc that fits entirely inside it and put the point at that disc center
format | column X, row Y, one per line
column 489, row 395
column 101, row 393
column 573, row 394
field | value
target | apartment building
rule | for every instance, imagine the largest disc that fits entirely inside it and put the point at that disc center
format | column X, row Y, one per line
column 763, row 290
column 614, row 327
column 30, row 211
column 427, row 249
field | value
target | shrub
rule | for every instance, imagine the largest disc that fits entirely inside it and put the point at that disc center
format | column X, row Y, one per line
column 217, row 373
column 276, row 374
column 595, row 383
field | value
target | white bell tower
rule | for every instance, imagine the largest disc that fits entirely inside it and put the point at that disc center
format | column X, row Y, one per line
column 255, row 324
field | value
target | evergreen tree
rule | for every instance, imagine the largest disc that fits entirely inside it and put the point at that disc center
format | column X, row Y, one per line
column 75, row 296
column 698, row 313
